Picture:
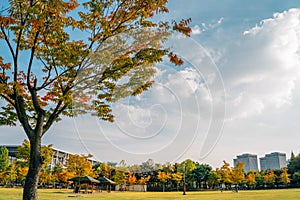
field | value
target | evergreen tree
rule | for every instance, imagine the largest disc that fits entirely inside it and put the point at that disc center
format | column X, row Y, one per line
column 4, row 161
column 292, row 155
column 294, row 169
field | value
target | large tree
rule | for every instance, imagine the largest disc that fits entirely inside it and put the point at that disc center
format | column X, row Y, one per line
column 62, row 58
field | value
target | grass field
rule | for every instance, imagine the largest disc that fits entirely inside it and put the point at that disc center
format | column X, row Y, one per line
column 51, row 194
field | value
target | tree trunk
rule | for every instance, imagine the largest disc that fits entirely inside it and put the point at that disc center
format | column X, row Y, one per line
column 36, row 160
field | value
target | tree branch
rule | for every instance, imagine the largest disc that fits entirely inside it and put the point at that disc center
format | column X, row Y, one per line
column 22, row 116
column 31, row 60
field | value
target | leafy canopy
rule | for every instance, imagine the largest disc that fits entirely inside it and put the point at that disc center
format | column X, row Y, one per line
column 48, row 72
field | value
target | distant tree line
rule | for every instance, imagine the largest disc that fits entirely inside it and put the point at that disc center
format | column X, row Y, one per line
column 187, row 175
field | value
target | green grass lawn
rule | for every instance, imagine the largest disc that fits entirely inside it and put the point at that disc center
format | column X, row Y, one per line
column 56, row 194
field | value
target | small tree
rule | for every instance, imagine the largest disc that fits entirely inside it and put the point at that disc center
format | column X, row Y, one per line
column 79, row 165
column 270, row 178
column 163, row 177
column 186, row 167
column 121, row 178
column 8, row 175
column 238, row 175
column 224, row 174
column 259, row 178
column 285, row 177
column 4, row 160
column 121, row 174
column 213, row 179
column 177, row 177
column 250, row 179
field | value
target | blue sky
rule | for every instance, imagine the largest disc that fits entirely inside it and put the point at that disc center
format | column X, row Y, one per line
column 238, row 92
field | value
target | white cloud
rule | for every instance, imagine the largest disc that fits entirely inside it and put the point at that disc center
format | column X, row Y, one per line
column 199, row 29
column 261, row 71
column 196, row 30
column 218, row 23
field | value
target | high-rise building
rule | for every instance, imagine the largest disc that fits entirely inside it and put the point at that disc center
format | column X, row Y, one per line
column 263, row 163
column 249, row 160
column 273, row 161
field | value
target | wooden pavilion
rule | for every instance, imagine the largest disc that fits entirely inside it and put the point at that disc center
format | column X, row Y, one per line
column 104, row 181
column 84, row 183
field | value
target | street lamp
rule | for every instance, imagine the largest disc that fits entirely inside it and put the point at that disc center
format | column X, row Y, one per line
column 184, row 181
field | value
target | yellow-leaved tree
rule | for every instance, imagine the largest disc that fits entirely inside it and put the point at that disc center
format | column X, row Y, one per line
column 163, row 177
column 80, row 166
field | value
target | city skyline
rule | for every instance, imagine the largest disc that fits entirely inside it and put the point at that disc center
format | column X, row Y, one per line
column 238, row 91
column 272, row 161
column 60, row 156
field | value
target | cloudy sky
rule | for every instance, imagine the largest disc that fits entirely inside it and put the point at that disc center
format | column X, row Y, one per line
column 238, row 92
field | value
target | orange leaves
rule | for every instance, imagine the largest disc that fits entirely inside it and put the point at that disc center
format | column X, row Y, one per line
column 250, row 179
column 174, row 59
column 37, row 25
column 131, row 179
column 182, row 27
column 48, row 97
column 2, row 87
column 6, row 21
column 64, row 175
column 71, row 5
column 3, row 65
